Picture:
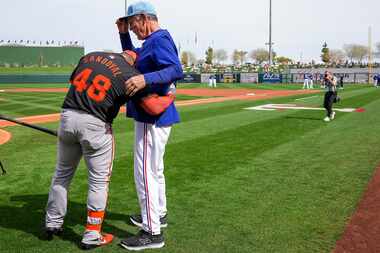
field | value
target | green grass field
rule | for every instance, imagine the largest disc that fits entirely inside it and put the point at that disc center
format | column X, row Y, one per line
column 237, row 180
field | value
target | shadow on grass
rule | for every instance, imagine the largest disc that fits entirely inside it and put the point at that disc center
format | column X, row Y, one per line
column 27, row 214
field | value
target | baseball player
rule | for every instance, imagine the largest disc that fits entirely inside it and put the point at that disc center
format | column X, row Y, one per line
column 311, row 80
column 98, row 89
column 376, row 78
column 210, row 81
column 305, row 81
column 160, row 66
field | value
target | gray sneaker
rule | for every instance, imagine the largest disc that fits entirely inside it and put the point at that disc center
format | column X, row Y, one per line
column 137, row 220
column 143, row 240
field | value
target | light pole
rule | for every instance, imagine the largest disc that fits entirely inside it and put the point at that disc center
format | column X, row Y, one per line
column 126, row 7
column 369, row 53
column 270, row 33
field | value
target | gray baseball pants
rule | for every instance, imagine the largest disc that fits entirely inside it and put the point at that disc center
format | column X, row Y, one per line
column 80, row 134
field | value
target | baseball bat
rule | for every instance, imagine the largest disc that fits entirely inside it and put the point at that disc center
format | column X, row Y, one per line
column 42, row 129
column 3, row 171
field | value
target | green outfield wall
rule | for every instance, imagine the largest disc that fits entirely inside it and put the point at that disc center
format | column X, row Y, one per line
column 48, row 78
column 16, row 56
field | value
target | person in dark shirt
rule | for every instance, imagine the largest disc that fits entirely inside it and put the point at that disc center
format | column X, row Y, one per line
column 98, row 89
column 330, row 82
column 341, row 81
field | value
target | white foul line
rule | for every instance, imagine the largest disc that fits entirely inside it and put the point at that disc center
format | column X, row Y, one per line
column 273, row 107
column 305, row 98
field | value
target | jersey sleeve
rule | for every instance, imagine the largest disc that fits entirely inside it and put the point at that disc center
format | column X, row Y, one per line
column 166, row 58
column 126, row 41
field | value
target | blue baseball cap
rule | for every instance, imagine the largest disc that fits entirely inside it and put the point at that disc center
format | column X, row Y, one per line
column 141, row 7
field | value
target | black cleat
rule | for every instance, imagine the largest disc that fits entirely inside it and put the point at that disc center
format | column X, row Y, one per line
column 50, row 232
column 137, row 220
column 143, row 240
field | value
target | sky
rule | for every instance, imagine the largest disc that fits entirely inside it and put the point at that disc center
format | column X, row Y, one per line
column 299, row 27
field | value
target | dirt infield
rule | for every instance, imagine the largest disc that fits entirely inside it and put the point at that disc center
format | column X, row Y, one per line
column 243, row 93
column 33, row 119
column 201, row 92
column 4, row 136
column 362, row 233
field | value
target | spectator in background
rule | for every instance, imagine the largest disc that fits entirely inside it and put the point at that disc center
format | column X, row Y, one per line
column 376, row 80
column 341, row 80
column 322, row 78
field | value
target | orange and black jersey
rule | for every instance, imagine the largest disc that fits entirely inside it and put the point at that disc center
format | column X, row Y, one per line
column 97, row 85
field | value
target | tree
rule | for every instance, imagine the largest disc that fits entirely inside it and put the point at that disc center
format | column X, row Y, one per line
column 185, row 58
column 192, row 58
column 188, row 58
column 235, row 57
column 377, row 53
column 259, row 55
column 239, row 56
column 242, row 56
column 209, row 55
column 325, row 56
column 348, row 49
column 283, row 60
column 220, row 55
column 361, row 52
column 337, row 56
column 356, row 52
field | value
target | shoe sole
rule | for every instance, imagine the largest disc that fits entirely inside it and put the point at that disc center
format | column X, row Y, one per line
column 137, row 224
column 151, row 246
column 86, row 246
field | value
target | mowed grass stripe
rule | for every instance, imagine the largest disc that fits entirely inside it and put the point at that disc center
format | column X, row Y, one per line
column 26, row 104
column 344, row 94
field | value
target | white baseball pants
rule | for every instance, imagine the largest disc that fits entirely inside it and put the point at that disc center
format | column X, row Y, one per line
column 150, row 142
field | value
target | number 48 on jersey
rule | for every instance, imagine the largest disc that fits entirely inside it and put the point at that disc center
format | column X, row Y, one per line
column 96, row 88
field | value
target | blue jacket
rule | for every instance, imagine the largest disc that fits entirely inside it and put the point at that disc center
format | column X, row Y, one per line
column 158, row 61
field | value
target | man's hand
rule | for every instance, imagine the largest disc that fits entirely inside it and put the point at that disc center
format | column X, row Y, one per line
column 122, row 26
column 134, row 84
